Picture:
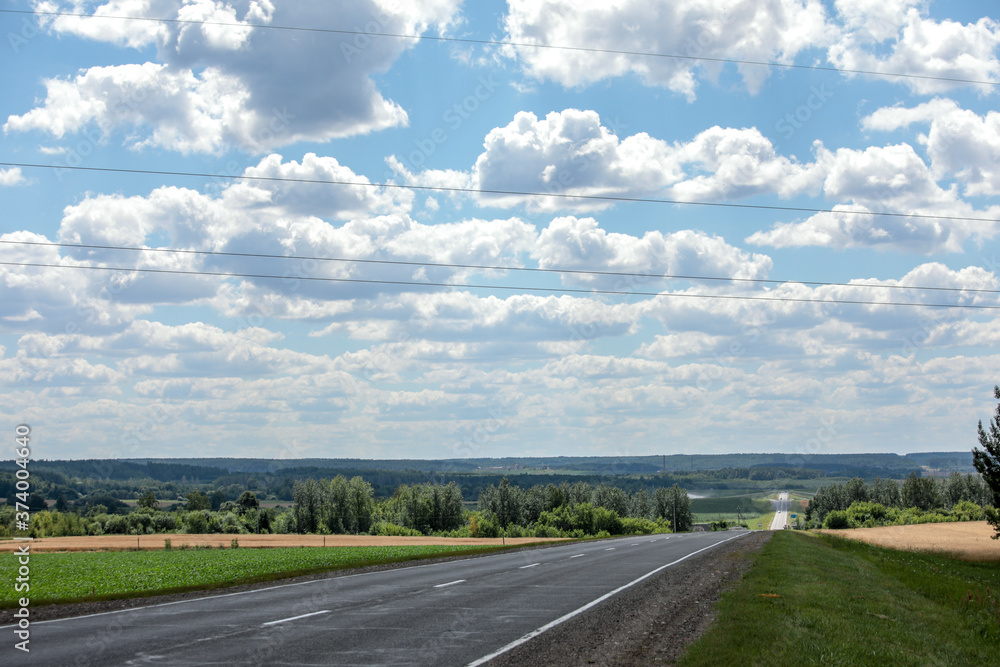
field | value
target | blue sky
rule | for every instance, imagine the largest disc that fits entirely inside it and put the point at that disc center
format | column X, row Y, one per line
column 131, row 363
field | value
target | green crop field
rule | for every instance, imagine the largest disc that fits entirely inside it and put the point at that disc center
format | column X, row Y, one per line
column 821, row 600
column 728, row 504
column 64, row 577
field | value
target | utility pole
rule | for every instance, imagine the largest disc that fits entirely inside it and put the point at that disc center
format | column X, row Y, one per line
column 675, row 510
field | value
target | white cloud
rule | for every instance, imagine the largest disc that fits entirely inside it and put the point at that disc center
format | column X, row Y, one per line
column 13, row 176
column 216, row 86
column 575, row 243
column 770, row 30
column 894, row 37
column 572, row 153
column 959, row 142
column 884, row 179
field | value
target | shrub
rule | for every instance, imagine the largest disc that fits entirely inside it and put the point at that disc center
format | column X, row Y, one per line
column 166, row 544
column 196, row 522
column 235, row 544
column 386, row 528
column 837, row 519
column 547, row 531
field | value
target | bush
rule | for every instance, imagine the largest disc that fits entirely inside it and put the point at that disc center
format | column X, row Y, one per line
column 196, row 522
column 483, row 526
column 837, row 519
column 386, row 528
column 547, row 531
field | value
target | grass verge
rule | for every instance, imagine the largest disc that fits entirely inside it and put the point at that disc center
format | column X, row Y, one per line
column 109, row 575
column 822, row 600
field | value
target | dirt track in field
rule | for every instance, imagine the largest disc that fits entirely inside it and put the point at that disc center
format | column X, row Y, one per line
column 121, row 542
column 969, row 540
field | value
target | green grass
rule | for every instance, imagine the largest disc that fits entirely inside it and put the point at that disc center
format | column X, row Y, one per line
column 104, row 575
column 843, row 602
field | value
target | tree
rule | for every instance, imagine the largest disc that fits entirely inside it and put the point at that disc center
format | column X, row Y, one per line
column 247, row 501
column 671, row 503
column 987, row 461
column 218, row 497
column 306, row 497
column 198, row 501
column 148, row 501
column 920, row 492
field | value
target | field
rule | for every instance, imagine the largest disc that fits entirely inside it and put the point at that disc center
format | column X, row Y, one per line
column 66, row 577
column 122, row 542
column 714, row 508
column 969, row 540
column 821, row 600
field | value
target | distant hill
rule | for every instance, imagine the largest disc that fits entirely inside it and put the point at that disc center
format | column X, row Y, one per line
column 862, row 465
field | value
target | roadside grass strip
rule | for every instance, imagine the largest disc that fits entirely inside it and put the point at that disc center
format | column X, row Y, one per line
column 824, row 600
column 107, row 575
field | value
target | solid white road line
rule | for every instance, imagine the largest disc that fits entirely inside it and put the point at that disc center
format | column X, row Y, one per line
column 562, row 619
column 451, row 583
column 294, row 618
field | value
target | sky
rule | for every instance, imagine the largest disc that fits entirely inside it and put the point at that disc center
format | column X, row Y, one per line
column 446, row 229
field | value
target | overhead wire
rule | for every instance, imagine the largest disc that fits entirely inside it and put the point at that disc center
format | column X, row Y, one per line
column 508, row 43
column 488, row 191
column 495, row 267
column 497, row 192
column 519, row 288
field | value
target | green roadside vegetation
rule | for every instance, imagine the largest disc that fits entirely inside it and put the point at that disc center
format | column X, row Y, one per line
column 107, row 575
column 764, row 520
column 820, row 600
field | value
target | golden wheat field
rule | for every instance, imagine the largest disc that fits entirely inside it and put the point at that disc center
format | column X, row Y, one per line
column 120, row 542
column 969, row 540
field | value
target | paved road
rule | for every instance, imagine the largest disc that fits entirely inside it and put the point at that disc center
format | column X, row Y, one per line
column 781, row 507
column 450, row 613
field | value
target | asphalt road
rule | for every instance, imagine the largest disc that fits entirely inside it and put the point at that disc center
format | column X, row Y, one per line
column 449, row 613
column 781, row 507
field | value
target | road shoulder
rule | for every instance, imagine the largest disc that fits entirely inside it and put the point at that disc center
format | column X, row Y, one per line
column 651, row 623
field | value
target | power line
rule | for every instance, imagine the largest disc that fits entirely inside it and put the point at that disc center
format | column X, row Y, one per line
column 559, row 290
column 490, row 267
column 518, row 193
column 489, row 42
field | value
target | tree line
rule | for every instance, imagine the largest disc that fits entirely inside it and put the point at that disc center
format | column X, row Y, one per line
column 886, row 501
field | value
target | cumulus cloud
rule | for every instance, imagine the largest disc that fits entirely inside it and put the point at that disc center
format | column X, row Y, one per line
column 215, row 86
column 581, row 244
column 570, row 152
column 890, row 179
column 772, row 30
column 959, row 142
column 894, row 36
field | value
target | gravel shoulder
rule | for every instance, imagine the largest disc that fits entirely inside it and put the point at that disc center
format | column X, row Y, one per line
column 651, row 623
